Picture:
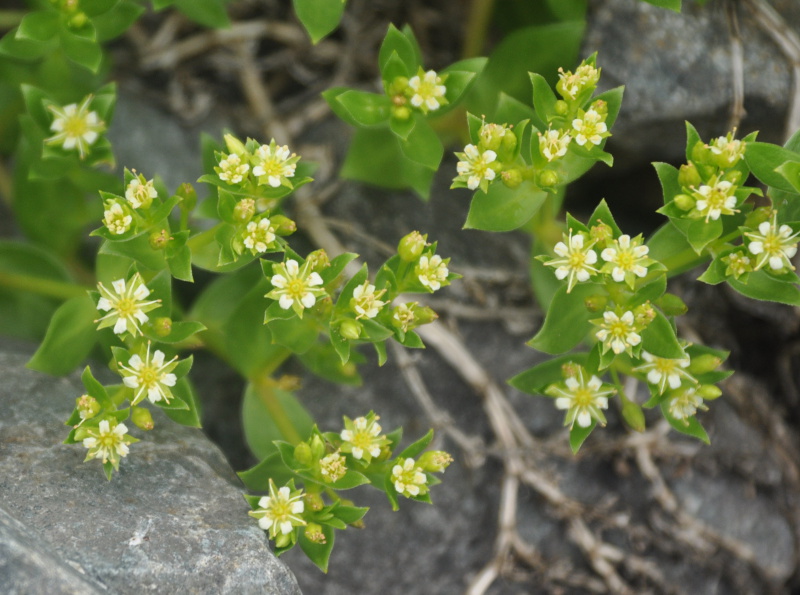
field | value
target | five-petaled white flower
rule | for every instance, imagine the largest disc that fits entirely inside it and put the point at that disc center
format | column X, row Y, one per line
column 432, row 271
column 126, row 305
column 581, row 398
column 428, row 91
column 116, row 220
column 295, row 287
column 75, row 126
column 365, row 301
column 140, row 193
column 409, row 479
column 150, row 377
column 627, row 259
column 715, row 198
column 475, row 167
column 258, row 235
column 553, row 143
column 727, row 150
column 663, row 372
column 590, row 127
column 773, row 245
column 281, row 511
column 232, row 170
column 685, row 404
column 362, row 437
column 107, row 442
column 274, row 164
column 576, row 260
column 618, row 333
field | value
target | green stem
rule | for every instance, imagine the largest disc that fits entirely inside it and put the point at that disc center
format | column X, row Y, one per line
column 62, row 290
column 480, row 13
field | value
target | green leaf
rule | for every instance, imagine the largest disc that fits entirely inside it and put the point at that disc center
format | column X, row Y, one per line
column 763, row 286
column 567, row 320
column 82, row 50
column 95, row 389
column 190, row 414
column 181, row 330
column 257, row 478
column 699, row 232
column 117, row 20
column 413, row 450
column 69, row 339
column 319, row 17
column 534, row 380
column 764, row 158
column 405, row 48
column 422, row 146
column 323, row 361
column 38, row 26
column 690, row 427
column 791, row 171
column 296, row 334
column 544, row 100
column 337, row 265
column 660, row 340
column 260, row 429
column 209, row 13
column 319, row 553
column 364, row 109
column 578, row 435
column 669, row 4
column 503, row 208
column 137, row 249
column 669, row 246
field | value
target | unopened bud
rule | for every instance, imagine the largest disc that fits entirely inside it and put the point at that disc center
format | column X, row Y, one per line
column 424, row 315
column 570, row 370
column 596, row 303
column 704, row 363
column 547, row 179
column 601, row 107
column 411, row 246
column 688, row 176
column 634, row 416
column 244, row 210
column 684, row 202
column 313, row 501
column 398, row 86
column 188, row 196
column 78, row 20
column 512, row 178
column 162, row 326
column 509, row 142
column 318, row 260
column 644, row 314
column 350, row 329
column 434, row 461
column 561, row 107
column 313, row 533
column 283, row 225
column 235, row 145
column 601, row 233
column 701, row 154
column 672, row 305
column 302, row 452
column 142, row 418
column 757, row 217
column 401, row 112
column 317, row 447
column 283, row 539
column 159, row 239
column 709, row 392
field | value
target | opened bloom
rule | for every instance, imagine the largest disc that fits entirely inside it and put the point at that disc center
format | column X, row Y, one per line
column 618, row 333
column 259, row 235
column 553, row 144
column 274, row 164
column 582, row 398
column 409, row 479
column 627, row 259
column 576, row 260
column 116, row 220
column 432, row 272
column 75, row 126
column 590, row 127
column 362, row 437
column 108, row 442
column 427, row 91
column 365, row 301
column 663, row 372
column 773, row 245
column 231, row 169
column 727, row 150
column 685, row 404
column 149, row 376
column 125, row 305
column 281, row 511
column 296, row 287
column 140, row 192
column 715, row 198
column 474, row 167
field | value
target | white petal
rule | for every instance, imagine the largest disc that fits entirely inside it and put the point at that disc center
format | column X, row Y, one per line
column 584, row 418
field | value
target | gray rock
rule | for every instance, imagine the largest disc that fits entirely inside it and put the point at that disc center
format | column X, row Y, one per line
column 172, row 520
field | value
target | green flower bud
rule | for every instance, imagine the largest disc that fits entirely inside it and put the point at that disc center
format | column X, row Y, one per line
column 162, row 326
column 512, row 178
column 411, row 246
column 509, row 142
column 709, row 392
column 601, row 107
column 159, row 239
column 283, row 539
column 401, row 112
column 561, row 107
column 313, row 533
column 142, row 418
column 78, row 20
column 704, row 363
column 283, row 225
column 302, row 452
column 688, row 176
column 634, row 416
column 350, row 329
column 757, row 217
column 596, row 303
column 684, row 202
column 434, row 461
column 235, row 145
column 313, row 501
column 734, row 176
column 672, row 305
column 601, row 233
column 398, row 86
column 424, row 315
column 317, row 447
column 644, row 315
column 547, row 179
column 245, row 209
column 701, row 154
column 188, row 196
column 570, row 370
column 319, row 260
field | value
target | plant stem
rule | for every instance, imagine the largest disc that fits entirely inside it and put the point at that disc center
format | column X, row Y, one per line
column 62, row 290
column 480, row 13
column 265, row 388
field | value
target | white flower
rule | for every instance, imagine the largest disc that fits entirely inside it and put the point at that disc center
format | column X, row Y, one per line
column 151, row 376
column 432, row 272
column 295, row 287
column 590, row 127
column 428, row 91
column 274, row 164
column 663, row 372
column 126, row 305
column 75, row 126
column 738, row 264
column 107, row 442
column 259, row 235
column 618, row 333
column 281, row 511
column 553, row 144
column 408, row 478
column 362, row 437
column 715, row 199
column 332, row 467
column 365, row 301
column 685, row 404
column 474, row 167
column 727, row 150
column 773, row 245
column 576, row 260
column 571, row 84
column 232, row 170
column 140, row 193
column 582, row 399
column 628, row 257
column 116, row 219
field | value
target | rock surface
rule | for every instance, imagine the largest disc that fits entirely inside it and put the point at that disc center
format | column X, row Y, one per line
column 172, row 521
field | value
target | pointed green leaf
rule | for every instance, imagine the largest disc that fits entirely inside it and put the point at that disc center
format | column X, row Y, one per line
column 503, row 208
column 567, row 321
column 69, row 339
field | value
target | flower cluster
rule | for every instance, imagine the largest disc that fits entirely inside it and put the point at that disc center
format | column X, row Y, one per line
column 255, row 165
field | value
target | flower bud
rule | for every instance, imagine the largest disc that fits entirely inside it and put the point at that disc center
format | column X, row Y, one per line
column 701, row 154
column 596, row 303
column 688, row 176
column 512, row 178
column 672, row 305
column 244, row 210
column 570, row 370
column 434, row 461
column 188, row 196
column 313, row 533
column 757, row 217
column 601, row 233
column 561, row 107
column 87, row 406
column 411, row 246
column 709, row 392
column 350, row 329
column 302, row 452
column 313, row 501
column 283, row 225
column 509, row 142
column 401, row 112
column 634, row 416
column 547, row 179
column 318, row 260
column 162, row 326
column 704, row 363
column 424, row 315
column 317, row 447
column 684, row 202
column 601, row 107
column 78, row 20
column 142, row 418
column 644, row 315
column 159, row 239
column 398, row 86
column 234, row 145
column 283, row 539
